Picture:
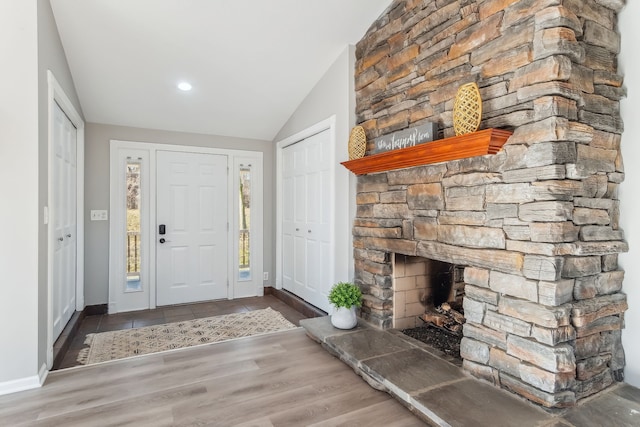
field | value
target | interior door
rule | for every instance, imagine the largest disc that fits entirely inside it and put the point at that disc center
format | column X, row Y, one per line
column 306, row 217
column 192, row 227
column 63, row 220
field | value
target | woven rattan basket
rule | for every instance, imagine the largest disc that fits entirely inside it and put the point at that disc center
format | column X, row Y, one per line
column 467, row 109
column 357, row 143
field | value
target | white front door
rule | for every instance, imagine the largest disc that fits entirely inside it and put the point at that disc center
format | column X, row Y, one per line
column 306, row 220
column 63, row 220
column 191, row 227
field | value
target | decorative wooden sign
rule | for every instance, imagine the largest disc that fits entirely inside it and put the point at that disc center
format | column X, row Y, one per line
column 405, row 138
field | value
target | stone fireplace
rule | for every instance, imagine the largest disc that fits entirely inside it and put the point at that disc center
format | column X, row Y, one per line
column 535, row 226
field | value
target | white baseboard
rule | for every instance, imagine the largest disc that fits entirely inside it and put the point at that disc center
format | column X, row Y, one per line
column 22, row 384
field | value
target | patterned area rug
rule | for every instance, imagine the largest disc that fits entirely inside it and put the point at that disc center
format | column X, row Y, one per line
column 114, row 345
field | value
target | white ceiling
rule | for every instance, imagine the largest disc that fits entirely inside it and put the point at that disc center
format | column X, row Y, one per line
column 251, row 62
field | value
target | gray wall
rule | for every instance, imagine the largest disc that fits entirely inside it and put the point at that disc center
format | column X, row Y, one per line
column 630, row 205
column 97, row 137
column 331, row 95
column 19, row 205
column 334, row 95
column 51, row 56
column 30, row 45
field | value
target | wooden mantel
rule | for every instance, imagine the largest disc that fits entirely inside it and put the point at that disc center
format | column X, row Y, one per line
column 488, row 141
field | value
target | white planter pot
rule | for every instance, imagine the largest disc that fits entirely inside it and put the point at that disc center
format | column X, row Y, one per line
column 344, row 318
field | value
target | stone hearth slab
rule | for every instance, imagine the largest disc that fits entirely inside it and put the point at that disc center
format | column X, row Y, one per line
column 442, row 394
column 410, row 371
column 628, row 392
column 366, row 343
column 320, row 328
column 621, row 404
column 471, row 402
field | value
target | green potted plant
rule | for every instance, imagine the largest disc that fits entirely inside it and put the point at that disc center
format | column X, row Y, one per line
column 345, row 297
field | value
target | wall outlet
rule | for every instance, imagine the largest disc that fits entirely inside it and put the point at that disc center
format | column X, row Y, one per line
column 100, row 215
column 265, row 275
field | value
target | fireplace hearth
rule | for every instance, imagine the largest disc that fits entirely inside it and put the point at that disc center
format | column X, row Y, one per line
column 534, row 228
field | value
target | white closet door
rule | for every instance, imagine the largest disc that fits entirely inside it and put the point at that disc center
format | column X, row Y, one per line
column 306, row 216
column 63, row 220
column 192, row 206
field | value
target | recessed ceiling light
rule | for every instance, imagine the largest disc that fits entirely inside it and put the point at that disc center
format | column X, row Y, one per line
column 185, row 86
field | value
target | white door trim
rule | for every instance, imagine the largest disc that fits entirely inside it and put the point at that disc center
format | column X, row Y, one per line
column 327, row 124
column 56, row 95
column 149, row 242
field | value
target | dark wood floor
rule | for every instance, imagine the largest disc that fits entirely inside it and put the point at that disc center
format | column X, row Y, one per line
column 280, row 379
column 175, row 313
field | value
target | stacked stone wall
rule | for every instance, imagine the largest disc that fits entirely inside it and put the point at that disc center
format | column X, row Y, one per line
column 537, row 224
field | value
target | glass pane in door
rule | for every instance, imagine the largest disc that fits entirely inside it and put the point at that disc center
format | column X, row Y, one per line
column 133, row 240
column 244, row 272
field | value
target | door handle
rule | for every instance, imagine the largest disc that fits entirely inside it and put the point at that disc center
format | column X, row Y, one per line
column 162, row 240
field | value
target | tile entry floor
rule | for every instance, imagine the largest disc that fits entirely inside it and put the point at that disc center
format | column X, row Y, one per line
column 168, row 314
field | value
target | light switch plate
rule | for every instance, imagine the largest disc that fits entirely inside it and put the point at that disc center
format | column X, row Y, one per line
column 99, row 215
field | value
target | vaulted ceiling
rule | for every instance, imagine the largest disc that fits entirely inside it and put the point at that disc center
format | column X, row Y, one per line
column 250, row 62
